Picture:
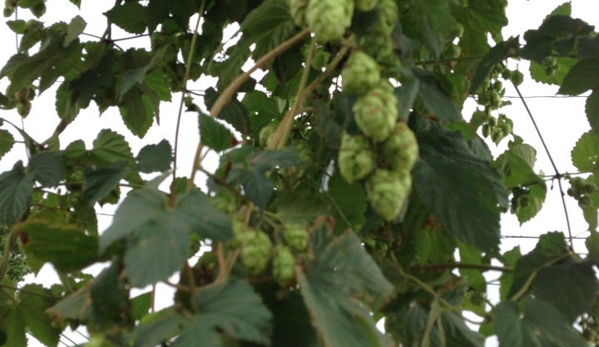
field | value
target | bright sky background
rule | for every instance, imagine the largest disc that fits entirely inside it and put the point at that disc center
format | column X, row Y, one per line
column 561, row 120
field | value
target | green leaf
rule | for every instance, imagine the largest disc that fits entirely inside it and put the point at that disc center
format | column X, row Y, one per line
column 155, row 158
column 510, row 258
column 137, row 111
column 46, row 168
column 157, row 12
column 539, row 74
column 430, row 22
column 585, row 156
column 349, row 202
column 536, row 324
column 158, row 327
column 67, row 248
column 14, row 325
column 581, row 77
column 214, row 135
column 6, row 142
column 256, row 186
column 444, row 177
column 234, row 113
column 16, row 188
column 292, row 327
column 160, row 236
column 157, row 252
column 592, row 110
column 571, row 279
column 110, row 147
column 300, row 206
column 480, row 18
column 550, row 248
column 341, row 272
column 495, row 56
column 99, row 182
column 109, row 293
column 435, row 99
column 34, row 300
column 17, row 26
column 141, row 305
column 130, row 16
column 231, row 307
column 267, row 26
column 74, row 29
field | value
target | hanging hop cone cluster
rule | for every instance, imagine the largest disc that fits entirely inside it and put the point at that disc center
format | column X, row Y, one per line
column 328, row 19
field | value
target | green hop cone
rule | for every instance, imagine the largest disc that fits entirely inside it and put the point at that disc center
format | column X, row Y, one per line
column 266, row 134
column 365, row 5
column 356, row 157
column 256, row 250
column 360, row 73
column 297, row 10
column 387, row 191
column 225, row 202
column 328, row 19
column 376, row 113
column 296, row 237
column 283, row 265
column 388, row 12
column 401, row 149
column 376, row 41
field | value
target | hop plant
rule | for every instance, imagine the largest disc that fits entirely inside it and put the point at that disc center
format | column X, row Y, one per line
column 387, row 191
column 401, row 149
column 225, row 202
column 365, row 5
column 266, row 134
column 328, row 19
column 356, row 157
column 376, row 41
column 360, row 73
column 388, row 13
column 296, row 237
column 283, row 265
column 376, row 112
column 256, row 250
column 297, row 10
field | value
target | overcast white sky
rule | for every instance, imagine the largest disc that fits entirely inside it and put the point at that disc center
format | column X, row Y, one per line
column 562, row 120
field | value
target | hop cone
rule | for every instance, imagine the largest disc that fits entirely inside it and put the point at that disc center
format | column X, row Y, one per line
column 328, row 19
column 360, row 73
column 283, row 265
column 376, row 112
column 356, row 157
column 256, row 249
column 296, row 237
column 297, row 10
column 401, row 149
column 365, row 5
column 387, row 191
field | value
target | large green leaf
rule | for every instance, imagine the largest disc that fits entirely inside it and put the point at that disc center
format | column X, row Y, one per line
column 446, row 177
column 231, row 307
column 130, row 16
column 535, row 324
column 435, row 99
column 348, row 202
column 16, row 188
column 109, row 147
column 517, row 167
column 340, row 273
column 34, row 300
column 581, row 77
column 550, row 249
column 46, row 168
column 101, row 181
column 292, row 325
column 430, row 22
column 155, row 158
column 570, row 287
column 584, row 154
column 160, row 235
column 68, row 249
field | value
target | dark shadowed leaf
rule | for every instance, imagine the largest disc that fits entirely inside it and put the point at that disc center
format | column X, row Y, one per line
column 535, row 324
column 444, row 177
column 46, row 168
column 155, row 158
column 100, row 182
column 68, row 249
column 6, row 142
column 214, row 134
column 130, row 16
column 16, row 188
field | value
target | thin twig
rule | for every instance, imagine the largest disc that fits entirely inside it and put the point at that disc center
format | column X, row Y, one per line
column 558, row 176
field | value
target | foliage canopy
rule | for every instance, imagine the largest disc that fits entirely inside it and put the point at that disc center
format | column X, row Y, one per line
column 350, row 188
